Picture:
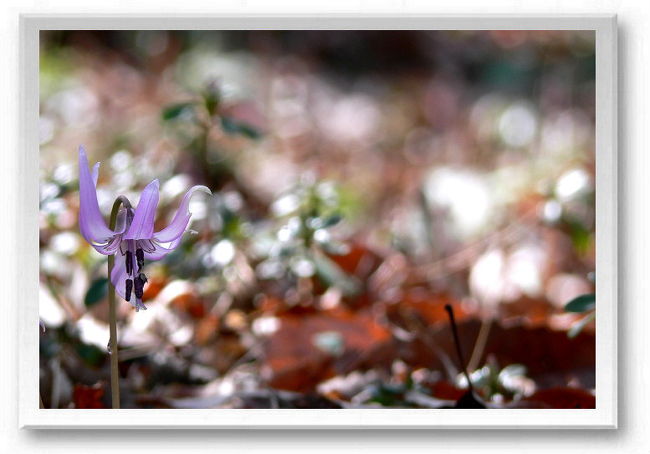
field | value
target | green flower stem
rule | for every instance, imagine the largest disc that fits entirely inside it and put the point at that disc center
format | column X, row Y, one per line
column 112, row 310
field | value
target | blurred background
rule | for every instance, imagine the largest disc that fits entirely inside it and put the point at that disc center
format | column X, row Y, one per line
column 361, row 181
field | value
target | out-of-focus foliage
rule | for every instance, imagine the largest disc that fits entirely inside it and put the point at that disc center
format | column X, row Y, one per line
column 584, row 304
column 361, row 181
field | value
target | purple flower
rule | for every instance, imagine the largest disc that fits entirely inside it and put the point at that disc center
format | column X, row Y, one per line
column 133, row 241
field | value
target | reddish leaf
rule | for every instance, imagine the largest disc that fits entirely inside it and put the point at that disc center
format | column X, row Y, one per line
column 446, row 391
column 85, row 396
column 190, row 303
column 359, row 261
column 423, row 307
column 206, row 329
column 563, row 398
column 154, row 286
column 550, row 357
column 293, row 360
column 528, row 311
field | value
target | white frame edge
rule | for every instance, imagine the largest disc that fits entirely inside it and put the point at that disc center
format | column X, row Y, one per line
column 605, row 414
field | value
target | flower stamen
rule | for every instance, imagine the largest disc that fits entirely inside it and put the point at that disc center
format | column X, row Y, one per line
column 139, row 254
column 129, row 289
column 129, row 263
column 139, row 286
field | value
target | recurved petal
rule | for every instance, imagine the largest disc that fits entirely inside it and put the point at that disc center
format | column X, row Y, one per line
column 182, row 217
column 91, row 222
column 142, row 225
column 109, row 248
column 120, row 221
column 160, row 251
column 96, row 173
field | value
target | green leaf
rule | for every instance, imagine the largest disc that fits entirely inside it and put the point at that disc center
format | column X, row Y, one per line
column 580, row 324
column 175, row 110
column 335, row 247
column 97, row 292
column 331, row 342
column 331, row 221
column 212, row 97
column 90, row 354
column 331, row 275
column 582, row 303
column 388, row 394
column 581, row 235
column 233, row 127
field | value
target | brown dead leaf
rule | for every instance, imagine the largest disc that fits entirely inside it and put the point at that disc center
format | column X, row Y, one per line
column 85, row 396
column 295, row 361
column 359, row 261
column 446, row 390
column 206, row 329
column 421, row 305
column 562, row 398
column 551, row 358
column 527, row 311
column 190, row 303
column 155, row 284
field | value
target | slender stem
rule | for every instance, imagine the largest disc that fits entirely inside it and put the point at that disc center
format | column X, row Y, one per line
column 459, row 351
column 112, row 311
column 481, row 342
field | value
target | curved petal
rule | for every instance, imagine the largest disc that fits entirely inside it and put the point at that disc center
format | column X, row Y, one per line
column 118, row 275
column 111, row 247
column 142, row 225
column 161, row 251
column 91, row 222
column 96, row 173
column 120, row 221
column 182, row 217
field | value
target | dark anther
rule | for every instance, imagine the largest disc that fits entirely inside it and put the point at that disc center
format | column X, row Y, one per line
column 129, row 288
column 129, row 262
column 143, row 278
column 139, row 286
column 139, row 255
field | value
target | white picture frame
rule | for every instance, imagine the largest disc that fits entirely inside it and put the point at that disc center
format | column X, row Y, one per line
column 603, row 416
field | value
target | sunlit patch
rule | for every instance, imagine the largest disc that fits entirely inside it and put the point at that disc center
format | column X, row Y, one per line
column 486, row 278
column 465, row 194
column 198, row 208
column 285, row 205
column 552, row 211
column 563, row 287
column 46, row 128
column 175, row 186
column 64, row 173
column 49, row 310
column 518, row 125
column 565, row 132
column 303, row 267
column 92, row 331
column 66, row 243
column 223, row 252
column 525, row 267
column 265, row 326
column 349, row 118
column 572, row 184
